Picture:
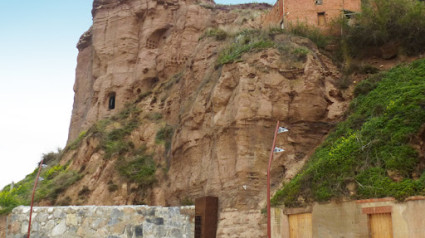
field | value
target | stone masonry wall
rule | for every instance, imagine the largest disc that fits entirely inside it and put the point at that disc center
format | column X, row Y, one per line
column 103, row 221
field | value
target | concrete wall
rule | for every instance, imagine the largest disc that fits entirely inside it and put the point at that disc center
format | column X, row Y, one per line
column 103, row 221
column 350, row 219
column 306, row 11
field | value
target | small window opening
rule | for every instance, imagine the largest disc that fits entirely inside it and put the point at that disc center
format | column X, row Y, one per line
column 319, row 2
column 348, row 14
column 321, row 18
column 111, row 104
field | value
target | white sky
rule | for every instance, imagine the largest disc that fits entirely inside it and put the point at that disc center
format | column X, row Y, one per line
column 37, row 70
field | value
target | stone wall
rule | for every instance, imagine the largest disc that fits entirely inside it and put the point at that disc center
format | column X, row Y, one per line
column 103, row 221
column 352, row 219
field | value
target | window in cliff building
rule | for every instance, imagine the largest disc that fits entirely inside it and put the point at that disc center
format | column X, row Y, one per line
column 111, row 104
column 319, row 2
column 321, row 20
column 348, row 14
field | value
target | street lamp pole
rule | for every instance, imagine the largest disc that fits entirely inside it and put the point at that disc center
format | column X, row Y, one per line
column 273, row 150
column 33, row 193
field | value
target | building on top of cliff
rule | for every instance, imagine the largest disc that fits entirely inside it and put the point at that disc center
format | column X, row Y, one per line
column 319, row 13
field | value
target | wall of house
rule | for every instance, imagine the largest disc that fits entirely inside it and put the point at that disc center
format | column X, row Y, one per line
column 103, row 221
column 275, row 15
column 306, row 11
column 351, row 219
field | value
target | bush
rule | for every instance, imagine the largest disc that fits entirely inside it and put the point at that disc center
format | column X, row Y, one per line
column 52, row 157
column 51, row 188
column 53, row 171
column 8, row 201
column 373, row 140
column 77, row 142
column 301, row 53
column 140, row 169
column 388, row 21
column 310, row 32
column 165, row 135
column 245, row 41
column 344, row 82
column 216, row 33
column 113, row 141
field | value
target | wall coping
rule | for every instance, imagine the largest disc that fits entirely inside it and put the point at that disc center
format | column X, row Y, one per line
column 94, row 206
column 387, row 199
column 309, row 208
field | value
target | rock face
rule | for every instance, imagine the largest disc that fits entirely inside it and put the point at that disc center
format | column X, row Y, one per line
column 149, row 53
column 3, row 220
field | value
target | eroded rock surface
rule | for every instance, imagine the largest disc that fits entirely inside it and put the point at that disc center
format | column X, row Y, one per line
column 223, row 116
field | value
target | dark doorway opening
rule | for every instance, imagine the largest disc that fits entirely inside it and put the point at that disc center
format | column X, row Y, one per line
column 111, row 102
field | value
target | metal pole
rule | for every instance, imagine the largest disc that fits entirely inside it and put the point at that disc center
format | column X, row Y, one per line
column 33, row 193
column 269, row 229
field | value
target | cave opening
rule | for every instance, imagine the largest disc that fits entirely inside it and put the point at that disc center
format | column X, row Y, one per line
column 111, row 101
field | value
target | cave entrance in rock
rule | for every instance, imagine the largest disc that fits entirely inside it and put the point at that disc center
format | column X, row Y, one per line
column 111, row 101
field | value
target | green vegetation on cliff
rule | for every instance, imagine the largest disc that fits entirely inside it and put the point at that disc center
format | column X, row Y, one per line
column 243, row 42
column 372, row 149
column 249, row 40
column 398, row 23
column 55, row 179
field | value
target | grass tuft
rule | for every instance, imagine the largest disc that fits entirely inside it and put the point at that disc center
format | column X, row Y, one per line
column 245, row 41
column 216, row 33
column 165, row 135
column 310, row 32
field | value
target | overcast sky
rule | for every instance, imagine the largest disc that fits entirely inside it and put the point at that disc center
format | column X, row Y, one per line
column 37, row 70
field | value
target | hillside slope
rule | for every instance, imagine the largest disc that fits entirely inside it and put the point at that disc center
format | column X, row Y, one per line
column 377, row 151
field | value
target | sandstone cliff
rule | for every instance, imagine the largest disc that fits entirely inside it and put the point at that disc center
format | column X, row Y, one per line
column 148, row 71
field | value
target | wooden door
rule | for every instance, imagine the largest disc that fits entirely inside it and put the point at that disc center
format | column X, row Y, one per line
column 321, row 19
column 300, row 226
column 380, row 225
